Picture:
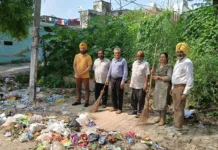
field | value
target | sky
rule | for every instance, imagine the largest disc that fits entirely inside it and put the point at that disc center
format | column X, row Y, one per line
column 68, row 9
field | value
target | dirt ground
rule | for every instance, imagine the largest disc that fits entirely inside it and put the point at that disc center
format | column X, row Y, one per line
column 10, row 69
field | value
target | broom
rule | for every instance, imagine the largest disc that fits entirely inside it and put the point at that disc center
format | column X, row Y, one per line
column 145, row 113
column 98, row 101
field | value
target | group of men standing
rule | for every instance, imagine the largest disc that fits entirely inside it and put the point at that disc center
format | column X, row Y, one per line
column 116, row 71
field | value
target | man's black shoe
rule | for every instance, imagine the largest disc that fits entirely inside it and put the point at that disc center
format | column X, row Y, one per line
column 133, row 112
column 76, row 103
column 138, row 115
column 86, row 104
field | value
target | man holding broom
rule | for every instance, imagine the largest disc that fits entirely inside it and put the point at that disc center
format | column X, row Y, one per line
column 118, row 73
column 182, row 82
column 82, row 65
column 101, row 67
column 139, row 83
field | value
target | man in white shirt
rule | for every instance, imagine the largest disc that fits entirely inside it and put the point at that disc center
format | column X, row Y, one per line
column 138, row 83
column 101, row 67
column 182, row 82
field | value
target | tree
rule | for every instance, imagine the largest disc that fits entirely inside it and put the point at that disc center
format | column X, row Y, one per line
column 16, row 17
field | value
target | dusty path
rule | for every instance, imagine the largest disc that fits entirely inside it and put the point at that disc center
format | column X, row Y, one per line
column 9, row 69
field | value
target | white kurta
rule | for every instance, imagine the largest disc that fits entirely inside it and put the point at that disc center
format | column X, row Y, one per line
column 101, row 68
column 139, row 73
column 183, row 74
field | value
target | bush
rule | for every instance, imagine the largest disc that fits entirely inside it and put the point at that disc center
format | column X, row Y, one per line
column 22, row 78
column 205, row 90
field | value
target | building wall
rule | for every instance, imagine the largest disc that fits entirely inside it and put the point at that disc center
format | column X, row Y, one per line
column 84, row 18
column 19, row 50
column 99, row 8
column 102, row 6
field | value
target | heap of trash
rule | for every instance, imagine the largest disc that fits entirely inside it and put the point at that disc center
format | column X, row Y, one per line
column 71, row 132
column 19, row 99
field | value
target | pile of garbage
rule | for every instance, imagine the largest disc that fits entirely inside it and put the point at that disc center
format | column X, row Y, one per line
column 19, row 99
column 77, row 132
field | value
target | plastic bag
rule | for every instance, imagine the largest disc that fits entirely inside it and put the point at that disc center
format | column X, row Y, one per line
column 35, row 118
column 74, row 139
column 83, row 119
column 91, row 123
column 102, row 140
column 23, row 137
column 93, row 137
column 8, row 122
column 35, row 127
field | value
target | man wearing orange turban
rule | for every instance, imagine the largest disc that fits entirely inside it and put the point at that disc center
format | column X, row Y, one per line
column 182, row 82
column 82, row 65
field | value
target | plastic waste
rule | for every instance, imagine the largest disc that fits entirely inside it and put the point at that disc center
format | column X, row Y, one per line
column 74, row 139
column 23, row 137
column 93, row 137
column 73, row 123
column 63, row 109
column 130, row 140
column 68, row 143
column 8, row 122
column 21, row 106
column 38, row 89
column 89, row 130
column 56, row 146
column 35, row 118
column 29, row 136
column 91, row 123
column 56, row 137
column 56, row 96
column 60, row 100
column 102, row 140
column 188, row 113
column 83, row 119
column 8, row 134
column 118, row 136
column 41, row 147
column 201, row 124
column 35, row 127
column 131, row 134
column 110, row 147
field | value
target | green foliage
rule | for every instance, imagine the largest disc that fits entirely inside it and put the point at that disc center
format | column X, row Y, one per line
column 200, row 29
column 22, row 78
column 205, row 90
column 16, row 17
column 51, row 81
column 212, row 114
column 161, row 30
column 60, row 49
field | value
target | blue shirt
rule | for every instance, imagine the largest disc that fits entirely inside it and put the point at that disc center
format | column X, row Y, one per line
column 118, row 68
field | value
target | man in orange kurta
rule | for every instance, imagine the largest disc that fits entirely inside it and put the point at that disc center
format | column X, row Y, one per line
column 82, row 65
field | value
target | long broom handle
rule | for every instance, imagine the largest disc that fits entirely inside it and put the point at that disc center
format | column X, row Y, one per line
column 150, row 81
column 103, row 89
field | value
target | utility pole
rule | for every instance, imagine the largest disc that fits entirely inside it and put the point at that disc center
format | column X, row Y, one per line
column 34, row 51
